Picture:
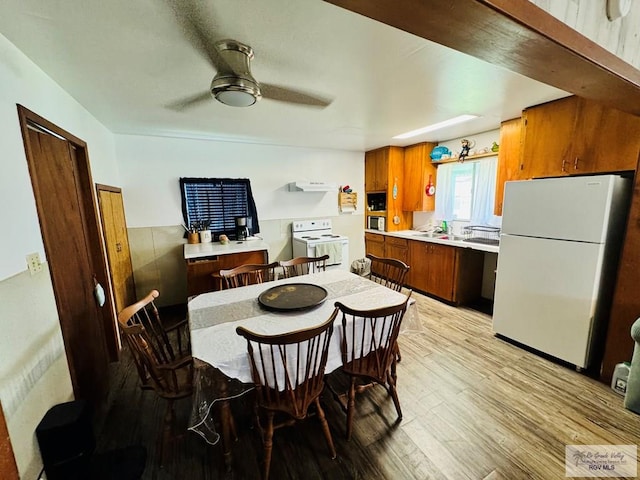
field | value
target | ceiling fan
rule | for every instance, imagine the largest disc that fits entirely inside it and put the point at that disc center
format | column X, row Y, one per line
column 233, row 83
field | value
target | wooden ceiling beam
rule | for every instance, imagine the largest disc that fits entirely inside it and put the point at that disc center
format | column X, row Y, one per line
column 516, row 35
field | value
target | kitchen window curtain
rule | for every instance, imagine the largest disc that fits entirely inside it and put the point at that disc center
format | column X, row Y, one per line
column 484, row 191
column 444, row 191
column 218, row 201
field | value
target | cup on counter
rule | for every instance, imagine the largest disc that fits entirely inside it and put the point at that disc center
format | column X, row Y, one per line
column 193, row 237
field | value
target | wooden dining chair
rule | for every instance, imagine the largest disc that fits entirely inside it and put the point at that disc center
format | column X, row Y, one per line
column 248, row 274
column 303, row 265
column 288, row 373
column 368, row 352
column 389, row 272
column 164, row 364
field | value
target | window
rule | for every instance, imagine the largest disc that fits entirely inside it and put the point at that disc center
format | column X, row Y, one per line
column 462, row 190
column 218, row 201
column 466, row 191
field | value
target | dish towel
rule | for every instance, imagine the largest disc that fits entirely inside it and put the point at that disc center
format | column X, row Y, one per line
column 333, row 249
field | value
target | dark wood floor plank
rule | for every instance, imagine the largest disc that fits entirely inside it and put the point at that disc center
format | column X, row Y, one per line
column 475, row 407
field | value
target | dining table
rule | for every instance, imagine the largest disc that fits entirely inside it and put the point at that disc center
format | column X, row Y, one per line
column 223, row 371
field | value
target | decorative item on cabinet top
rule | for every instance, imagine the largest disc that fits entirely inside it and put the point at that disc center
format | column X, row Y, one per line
column 438, row 152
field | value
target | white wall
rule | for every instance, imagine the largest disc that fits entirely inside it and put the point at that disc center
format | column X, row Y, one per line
column 151, row 166
column 33, row 371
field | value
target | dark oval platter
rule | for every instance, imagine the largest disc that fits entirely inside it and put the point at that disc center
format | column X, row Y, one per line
column 292, row 296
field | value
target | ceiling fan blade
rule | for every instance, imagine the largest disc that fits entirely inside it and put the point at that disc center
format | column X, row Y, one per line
column 189, row 102
column 284, row 94
column 199, row 32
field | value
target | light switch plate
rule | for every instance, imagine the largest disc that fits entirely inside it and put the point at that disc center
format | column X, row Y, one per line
column 33, row 263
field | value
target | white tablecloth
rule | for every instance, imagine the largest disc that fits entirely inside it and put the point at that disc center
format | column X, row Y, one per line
column 214, row 316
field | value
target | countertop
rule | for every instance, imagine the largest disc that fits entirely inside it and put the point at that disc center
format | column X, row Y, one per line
column 423, row 237
column 198, row 250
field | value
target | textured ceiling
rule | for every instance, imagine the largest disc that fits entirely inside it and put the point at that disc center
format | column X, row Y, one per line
column 127, row 61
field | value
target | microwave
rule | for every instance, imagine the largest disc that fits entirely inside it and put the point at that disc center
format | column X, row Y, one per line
column 375, row 223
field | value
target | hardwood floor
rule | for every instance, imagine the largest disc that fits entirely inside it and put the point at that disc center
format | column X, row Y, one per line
column 475, row 407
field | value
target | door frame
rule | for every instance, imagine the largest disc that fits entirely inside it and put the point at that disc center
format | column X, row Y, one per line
column 90, row 210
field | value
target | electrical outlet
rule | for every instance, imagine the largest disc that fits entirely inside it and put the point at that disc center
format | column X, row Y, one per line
column 33, row 263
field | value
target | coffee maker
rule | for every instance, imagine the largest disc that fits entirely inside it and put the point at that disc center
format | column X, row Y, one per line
column 242, row 230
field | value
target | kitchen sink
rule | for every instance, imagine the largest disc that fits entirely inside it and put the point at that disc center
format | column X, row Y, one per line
column 484, row 241
column 441, row 236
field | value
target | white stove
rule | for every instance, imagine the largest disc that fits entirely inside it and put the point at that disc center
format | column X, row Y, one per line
column 308, row 234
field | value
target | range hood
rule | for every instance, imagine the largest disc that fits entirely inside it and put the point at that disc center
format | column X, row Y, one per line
column 306, row 186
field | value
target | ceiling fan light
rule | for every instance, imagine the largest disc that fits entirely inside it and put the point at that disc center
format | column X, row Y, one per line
column 235, row 91
column 236, row 98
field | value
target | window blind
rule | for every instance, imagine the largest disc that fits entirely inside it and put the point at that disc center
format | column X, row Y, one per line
column 218, row 201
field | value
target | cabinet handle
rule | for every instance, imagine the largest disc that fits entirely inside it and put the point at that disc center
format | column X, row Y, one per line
column 564, row 161
column 575, row 163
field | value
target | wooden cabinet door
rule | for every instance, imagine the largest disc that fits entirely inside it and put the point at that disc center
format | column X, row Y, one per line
column 508, row 158
column 397, row 217
column 607, row 140
column 442, row 266
column 397, row 248
column 419, row 271
column 374, row 244
column 418, row 169
column 200, row 271
column 549, row 132
column 376, row 170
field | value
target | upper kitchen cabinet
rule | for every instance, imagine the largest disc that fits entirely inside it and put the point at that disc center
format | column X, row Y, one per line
column 508, row 158
column 383, row 173
column 381, row 167
column 419, row 173
column 574, row 136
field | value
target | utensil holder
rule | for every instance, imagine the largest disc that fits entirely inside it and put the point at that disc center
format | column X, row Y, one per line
column 205, row 236
column 193, row 237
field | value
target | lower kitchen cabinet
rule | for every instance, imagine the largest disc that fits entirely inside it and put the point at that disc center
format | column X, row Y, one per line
column 397, row 248
column 450, row 273
column 374, row 244
column 200, row 271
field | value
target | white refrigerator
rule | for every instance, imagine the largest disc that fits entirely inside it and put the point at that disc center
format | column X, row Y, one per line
column 559, row 251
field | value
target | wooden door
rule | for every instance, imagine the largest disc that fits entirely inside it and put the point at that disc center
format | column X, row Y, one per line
column 625, row 308
column 114, row 228
column 442, row 263
column 8, row 467
column 508, row 158
column 549, row 132
column 63, row 189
